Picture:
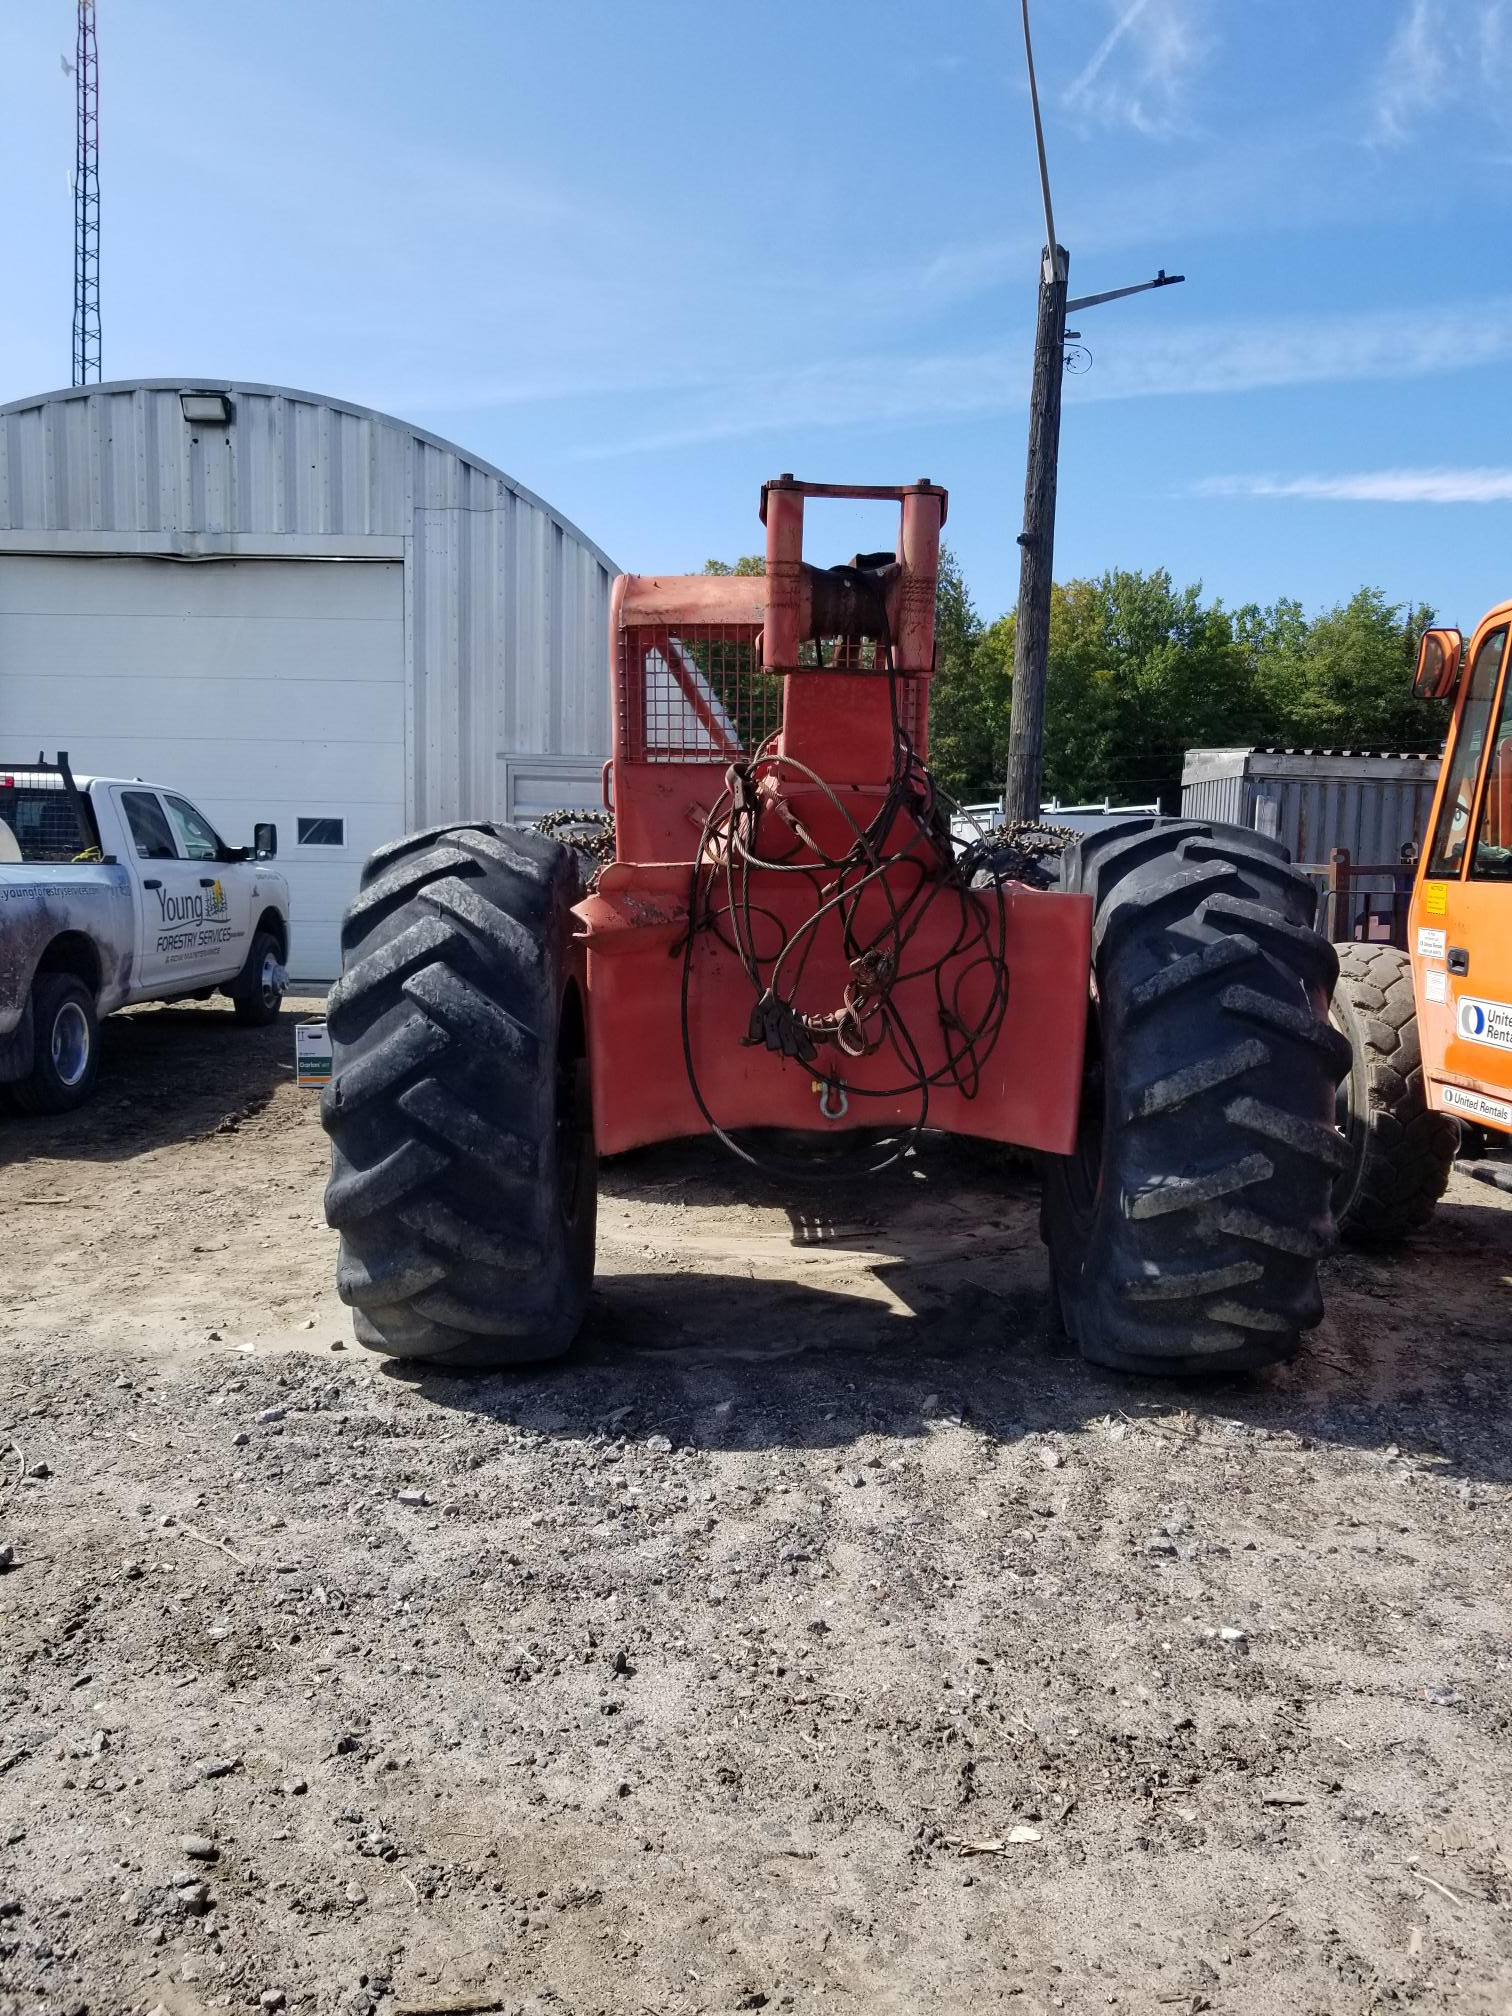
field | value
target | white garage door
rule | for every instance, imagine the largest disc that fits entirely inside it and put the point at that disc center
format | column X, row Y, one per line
column 262, row 689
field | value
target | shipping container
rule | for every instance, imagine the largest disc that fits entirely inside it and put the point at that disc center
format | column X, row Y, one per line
column 1315, row 800
column 1357, row 819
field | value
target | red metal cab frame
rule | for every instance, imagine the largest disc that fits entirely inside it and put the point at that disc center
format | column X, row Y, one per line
column 703, row 670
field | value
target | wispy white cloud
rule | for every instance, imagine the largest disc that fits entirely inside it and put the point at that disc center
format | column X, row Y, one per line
column 858, row 391
column 1311, row 350
column 1141, row 71
column 1082, row 83
column 1275, row 177
column 883, row 390
column 1434, row 47
column 1414, row 76
column 1373, row 486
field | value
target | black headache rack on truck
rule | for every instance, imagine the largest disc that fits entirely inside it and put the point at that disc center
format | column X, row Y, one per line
column 46, row 814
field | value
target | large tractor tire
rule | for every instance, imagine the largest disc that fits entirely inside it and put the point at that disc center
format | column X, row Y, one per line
column 1186, row 1229
column 1400, row 1151
column 463, row 1173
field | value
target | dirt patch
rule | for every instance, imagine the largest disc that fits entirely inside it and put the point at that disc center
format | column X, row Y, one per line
column 820, row 1635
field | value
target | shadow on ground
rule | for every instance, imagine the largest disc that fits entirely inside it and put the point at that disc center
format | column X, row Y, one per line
column 169, row 1072
column 931, row 1302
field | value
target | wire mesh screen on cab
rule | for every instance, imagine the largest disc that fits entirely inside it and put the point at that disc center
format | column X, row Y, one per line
column 40, row 813
column 699, row 695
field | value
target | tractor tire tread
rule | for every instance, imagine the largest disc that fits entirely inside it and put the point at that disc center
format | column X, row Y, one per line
column 1401, row 1152
column 443, row 1109
column 1199, row 1249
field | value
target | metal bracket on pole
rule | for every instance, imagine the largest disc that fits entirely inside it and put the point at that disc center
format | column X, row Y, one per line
column 1162, row 279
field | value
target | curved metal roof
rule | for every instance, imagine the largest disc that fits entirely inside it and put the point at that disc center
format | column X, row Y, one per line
column 232, row 386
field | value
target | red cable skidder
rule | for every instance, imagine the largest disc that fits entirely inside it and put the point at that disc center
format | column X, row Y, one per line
column 787, row 938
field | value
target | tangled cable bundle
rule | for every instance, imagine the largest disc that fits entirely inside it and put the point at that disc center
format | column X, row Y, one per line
column 869, row 1018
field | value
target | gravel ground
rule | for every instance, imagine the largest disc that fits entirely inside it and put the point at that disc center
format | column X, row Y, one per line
column 821, row 1635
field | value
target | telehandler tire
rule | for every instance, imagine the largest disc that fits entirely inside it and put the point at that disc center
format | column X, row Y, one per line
column 463, row 1172
column 1400, row 1151
column 1186, row 1228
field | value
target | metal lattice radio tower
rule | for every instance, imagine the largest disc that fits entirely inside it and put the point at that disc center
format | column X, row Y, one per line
column 86, row 313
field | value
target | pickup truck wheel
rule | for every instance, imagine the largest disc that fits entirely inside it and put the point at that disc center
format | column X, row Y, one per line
column 260, row 985
column 1186, row 1229
column 1400, row 1151
column 463, row 1172
column 67, row 1046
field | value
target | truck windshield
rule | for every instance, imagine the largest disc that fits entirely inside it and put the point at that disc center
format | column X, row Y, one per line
column 1492, row 859
column 1462, row 764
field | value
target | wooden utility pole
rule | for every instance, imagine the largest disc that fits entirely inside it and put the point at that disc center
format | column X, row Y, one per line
column 1031, row 636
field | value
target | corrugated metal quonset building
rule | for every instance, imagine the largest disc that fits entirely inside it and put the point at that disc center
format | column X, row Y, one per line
column 292, row 608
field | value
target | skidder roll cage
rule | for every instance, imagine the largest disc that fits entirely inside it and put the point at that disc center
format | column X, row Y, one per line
column 823, row 961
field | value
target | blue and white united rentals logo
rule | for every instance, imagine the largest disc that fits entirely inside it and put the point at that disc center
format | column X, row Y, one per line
column 1485, row 1021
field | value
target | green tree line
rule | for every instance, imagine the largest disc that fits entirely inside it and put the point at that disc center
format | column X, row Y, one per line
column 1141, row 671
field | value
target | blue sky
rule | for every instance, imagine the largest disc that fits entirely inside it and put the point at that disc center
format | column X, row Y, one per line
column 643, row 255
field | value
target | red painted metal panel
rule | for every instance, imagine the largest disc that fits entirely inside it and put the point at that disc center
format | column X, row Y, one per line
column 1029, row 1087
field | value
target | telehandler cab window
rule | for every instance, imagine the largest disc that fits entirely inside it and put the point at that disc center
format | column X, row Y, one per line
column 1462, row 763
column 1492, row 859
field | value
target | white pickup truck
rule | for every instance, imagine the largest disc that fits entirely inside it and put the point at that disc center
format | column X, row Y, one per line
column 114, row 891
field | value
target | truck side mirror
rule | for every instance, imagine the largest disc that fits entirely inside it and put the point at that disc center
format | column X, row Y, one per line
column 1438, row 665
column 264, row 840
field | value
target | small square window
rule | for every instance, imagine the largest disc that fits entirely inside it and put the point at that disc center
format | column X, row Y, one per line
column 321, row 833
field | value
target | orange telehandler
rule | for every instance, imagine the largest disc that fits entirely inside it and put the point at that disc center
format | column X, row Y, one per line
column 1430, row 1028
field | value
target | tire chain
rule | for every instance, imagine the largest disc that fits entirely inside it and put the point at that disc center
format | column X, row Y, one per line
column 1018, row 852
column 597, row 842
